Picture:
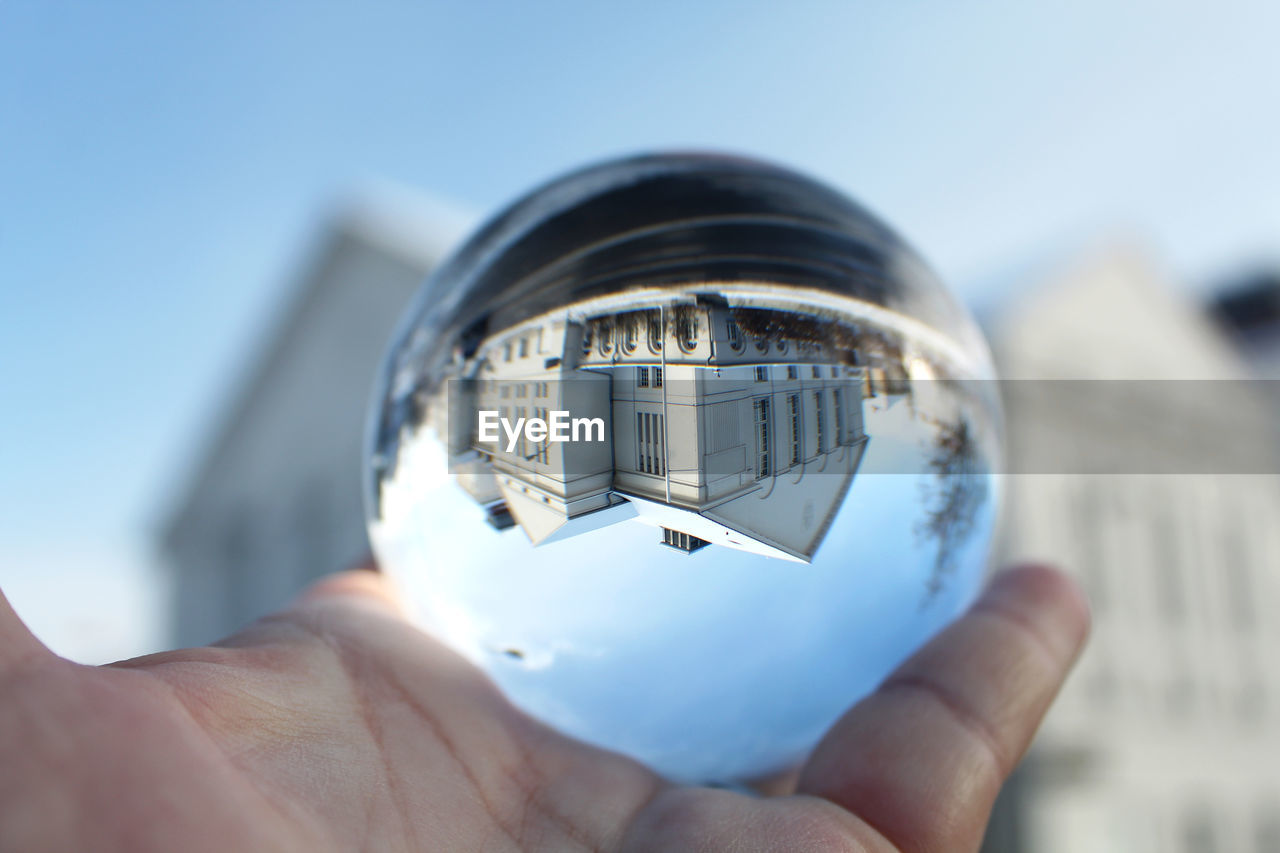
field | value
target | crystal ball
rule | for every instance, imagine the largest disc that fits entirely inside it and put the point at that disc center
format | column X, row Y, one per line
column 686, row 452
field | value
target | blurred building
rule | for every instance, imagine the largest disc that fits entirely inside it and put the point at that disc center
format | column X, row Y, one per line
column 1165, row 737
column 275, row 499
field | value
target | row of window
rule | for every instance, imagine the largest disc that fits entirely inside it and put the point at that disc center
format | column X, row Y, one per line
column 650, row 437
column 760, row 407
column 648, row 377
column 535, row 451
column 1175, row 691
column 520, row 348
column 540, row 447
column 761, row 411
column 682, row 541
column 643, row 375
column 650, row 430
column 600, row 335
column 1111, row 529
column 1182, row 560
column 540, row 389
column 793, row 372
column 1202, row 833
column 762, row 374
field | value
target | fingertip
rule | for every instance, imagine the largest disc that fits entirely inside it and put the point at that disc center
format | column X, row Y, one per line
column 364, row 584
column 1045, row 597
column 1040, row 579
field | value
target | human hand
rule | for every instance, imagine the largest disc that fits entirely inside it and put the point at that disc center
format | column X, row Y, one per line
column 336, row 725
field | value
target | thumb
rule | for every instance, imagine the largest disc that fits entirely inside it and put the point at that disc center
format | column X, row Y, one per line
column 365, row 586
column 328, row 603
column 17, row 643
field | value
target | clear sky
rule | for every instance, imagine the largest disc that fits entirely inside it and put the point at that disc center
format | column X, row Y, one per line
column 163, row 167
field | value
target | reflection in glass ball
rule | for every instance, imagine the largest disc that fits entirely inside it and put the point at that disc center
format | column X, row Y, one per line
column 686, row 452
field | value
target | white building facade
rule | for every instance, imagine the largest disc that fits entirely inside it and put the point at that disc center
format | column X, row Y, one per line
column 1165, row 737
column 275, row 499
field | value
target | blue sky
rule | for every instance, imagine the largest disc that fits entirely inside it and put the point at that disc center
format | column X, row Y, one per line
column 164, row 166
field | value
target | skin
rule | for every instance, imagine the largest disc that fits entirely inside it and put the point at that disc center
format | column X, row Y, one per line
column 336, row 725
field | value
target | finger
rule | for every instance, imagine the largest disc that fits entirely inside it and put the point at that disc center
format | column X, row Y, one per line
column 922, row 758
column 363, row 585
column 341, row 599
column 17, row 643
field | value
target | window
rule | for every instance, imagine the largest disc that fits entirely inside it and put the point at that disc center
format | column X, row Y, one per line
column 762, row 374
column 1198, row 834
column 793, row 409
column 506, row 351
column 761, row 409
column 1087, row 531
column 820, row 415
column 642, row 377
column 683, row 541
column 835, row 371
column 540, row 449
column 655, row 331
column 649, row 443
column 1235, row 566
column 793, row 372
column 524, row 347
column 522, row 443
column 735, row 335
column 817, row 372
column 1267, row 830
column 1171, row 594
column 687, row 330
column 657, row 377
column 837, row 398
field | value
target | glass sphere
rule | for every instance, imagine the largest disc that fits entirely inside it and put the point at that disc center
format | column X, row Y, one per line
column 686, row 452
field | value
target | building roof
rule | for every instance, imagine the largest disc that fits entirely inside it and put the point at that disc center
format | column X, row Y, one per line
column 1102, row 335
column 378, row 221
column 1107, row 312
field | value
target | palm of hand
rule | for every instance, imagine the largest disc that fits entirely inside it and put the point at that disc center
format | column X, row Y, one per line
column 337, row 725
